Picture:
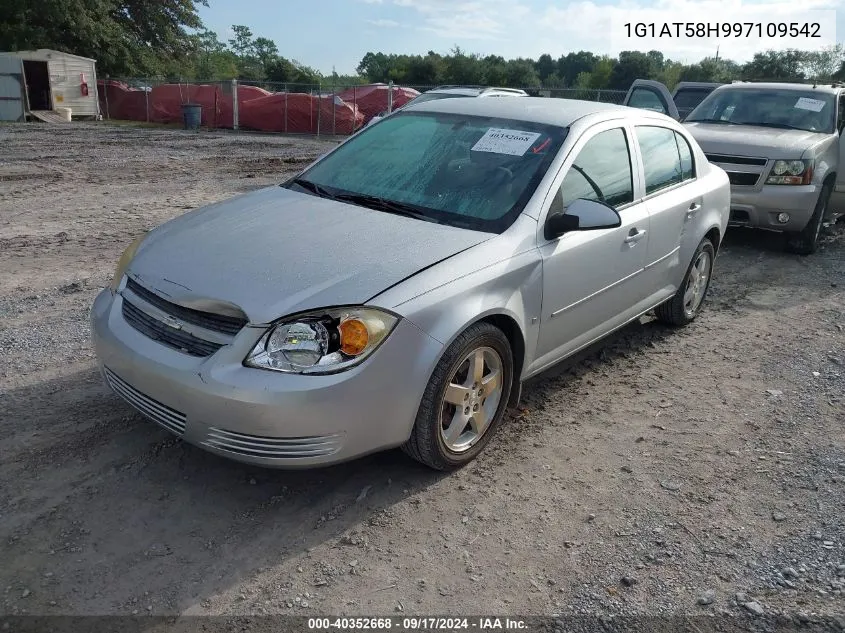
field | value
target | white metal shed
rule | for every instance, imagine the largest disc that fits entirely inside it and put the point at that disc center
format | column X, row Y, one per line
column 55, row 79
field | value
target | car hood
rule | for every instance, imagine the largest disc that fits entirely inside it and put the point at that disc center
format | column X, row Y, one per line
column 275, row 252
column 749, row 140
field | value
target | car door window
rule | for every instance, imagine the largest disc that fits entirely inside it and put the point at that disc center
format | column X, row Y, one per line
column 601, row 171
column 661, row 158
column 687, row 163
column 646, row 99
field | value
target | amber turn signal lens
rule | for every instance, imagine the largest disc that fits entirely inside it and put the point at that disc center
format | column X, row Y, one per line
column 354, row 337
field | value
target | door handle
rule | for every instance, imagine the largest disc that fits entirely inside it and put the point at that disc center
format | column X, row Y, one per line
column 693, row 208
column 635, row 236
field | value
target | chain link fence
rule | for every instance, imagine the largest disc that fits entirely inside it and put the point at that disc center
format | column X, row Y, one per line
column 263, row 106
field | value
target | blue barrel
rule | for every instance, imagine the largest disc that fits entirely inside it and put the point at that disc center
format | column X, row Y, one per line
column 192, row 115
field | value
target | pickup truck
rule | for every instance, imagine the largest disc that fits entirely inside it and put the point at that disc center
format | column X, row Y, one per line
column 781, row 145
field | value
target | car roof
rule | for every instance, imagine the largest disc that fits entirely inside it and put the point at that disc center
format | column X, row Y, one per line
column 473, row 91
column 545, row 110
column 755, row 85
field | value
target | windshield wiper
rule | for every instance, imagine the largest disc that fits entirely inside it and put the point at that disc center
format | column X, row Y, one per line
column 711, row 121
column 383, row 204
column 313, row 187
column 784, row 126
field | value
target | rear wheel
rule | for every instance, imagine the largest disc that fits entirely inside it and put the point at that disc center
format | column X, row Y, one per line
column 686, row 304
column 807, row 241
column 465, row 399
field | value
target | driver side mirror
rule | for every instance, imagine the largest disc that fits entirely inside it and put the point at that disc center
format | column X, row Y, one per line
column 582, row 215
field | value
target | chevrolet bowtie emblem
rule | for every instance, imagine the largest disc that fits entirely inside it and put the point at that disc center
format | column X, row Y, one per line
column 174, row 323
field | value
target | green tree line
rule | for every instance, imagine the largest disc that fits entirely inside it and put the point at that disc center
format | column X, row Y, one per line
column 166, row 39
column 585, row 70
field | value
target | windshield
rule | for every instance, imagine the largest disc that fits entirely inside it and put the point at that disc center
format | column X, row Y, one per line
column 473, row 172
column 810, row 110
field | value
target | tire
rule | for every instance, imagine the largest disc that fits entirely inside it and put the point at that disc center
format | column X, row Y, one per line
column 430, row 443
column 678, row 311
column 807, row 241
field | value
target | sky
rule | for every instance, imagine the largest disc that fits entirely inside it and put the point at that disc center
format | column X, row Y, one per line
column 336, row 34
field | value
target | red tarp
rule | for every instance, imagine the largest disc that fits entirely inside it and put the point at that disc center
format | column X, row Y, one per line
column 299, row 112
column 372, row 99
column 119, row 101
column 258, row 109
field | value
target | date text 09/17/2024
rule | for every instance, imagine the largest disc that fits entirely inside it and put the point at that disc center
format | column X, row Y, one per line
column 416, row 623
column 809, row 30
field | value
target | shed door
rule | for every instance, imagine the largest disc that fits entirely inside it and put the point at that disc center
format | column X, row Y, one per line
column 11, row 89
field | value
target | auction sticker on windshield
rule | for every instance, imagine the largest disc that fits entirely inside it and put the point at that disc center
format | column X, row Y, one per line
column 501, row 141
column 805, row 103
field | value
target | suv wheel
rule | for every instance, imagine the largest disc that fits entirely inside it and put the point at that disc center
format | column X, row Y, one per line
column 807, row 241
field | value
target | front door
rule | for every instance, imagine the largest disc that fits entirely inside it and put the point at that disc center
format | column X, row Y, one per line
column 592, row 280
column 651, row 95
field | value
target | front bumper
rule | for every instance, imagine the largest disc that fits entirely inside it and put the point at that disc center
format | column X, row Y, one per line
column 264, row 417
column 760, row 209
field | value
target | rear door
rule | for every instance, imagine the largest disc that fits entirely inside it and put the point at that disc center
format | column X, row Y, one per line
column 673, row 203
column 651, row 95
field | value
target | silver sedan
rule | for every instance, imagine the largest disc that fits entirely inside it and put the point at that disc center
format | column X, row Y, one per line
column 399, row 290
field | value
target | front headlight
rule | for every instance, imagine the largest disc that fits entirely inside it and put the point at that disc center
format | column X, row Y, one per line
column 322, row 342
column 124, row 261
column 791, row 172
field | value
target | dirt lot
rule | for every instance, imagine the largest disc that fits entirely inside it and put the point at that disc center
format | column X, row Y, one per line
column 664, row 472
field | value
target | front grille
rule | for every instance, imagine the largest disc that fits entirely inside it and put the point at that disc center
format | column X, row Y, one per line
column 272, row 447
column 208, row 320
column 170, row 419
column 165, row 334
column 743, row 179
column 735, row 160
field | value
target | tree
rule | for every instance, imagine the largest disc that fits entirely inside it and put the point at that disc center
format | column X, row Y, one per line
column 670, row 75
column 822, row 65
column 631, row 65
column 126, row 37
column 602, row 71
column 212, row 60
column 573, row 64
column 776, row 66
column 462, row 68
column 375, row 66
column 545, row 67
column 495, row 71
column 265, row 50
column 425, row 71
column 242, row 43
column 521, row 74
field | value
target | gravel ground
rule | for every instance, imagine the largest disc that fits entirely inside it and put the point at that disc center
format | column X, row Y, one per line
column 699, row 471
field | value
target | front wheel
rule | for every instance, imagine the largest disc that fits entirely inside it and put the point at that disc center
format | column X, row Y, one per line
column 465, row 399
column 686, row 304
column 807, row 241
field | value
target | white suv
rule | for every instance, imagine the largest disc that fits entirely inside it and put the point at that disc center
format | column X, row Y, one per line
column 449, row 92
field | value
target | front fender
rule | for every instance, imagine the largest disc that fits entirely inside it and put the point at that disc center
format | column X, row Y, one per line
column 511, row 288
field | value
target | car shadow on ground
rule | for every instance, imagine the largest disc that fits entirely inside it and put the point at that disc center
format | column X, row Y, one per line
column 105, row 492
column 115, row 507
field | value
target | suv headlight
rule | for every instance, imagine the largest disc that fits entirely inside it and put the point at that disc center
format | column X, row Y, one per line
column 791, row 172
column 322, row 342
column 124, row 261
